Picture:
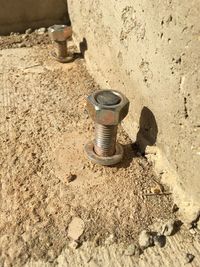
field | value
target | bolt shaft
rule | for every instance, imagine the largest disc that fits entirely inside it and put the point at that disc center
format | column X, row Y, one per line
column 61, row 49
column 105, row 140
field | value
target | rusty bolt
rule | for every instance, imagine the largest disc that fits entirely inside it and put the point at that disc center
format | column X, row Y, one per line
column 107, row 108
column 59, row 34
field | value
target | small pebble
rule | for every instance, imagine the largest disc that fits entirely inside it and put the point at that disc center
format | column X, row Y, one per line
column 189, row 258
column 194, row 224
column 175, row 208
column 28, row 31
column 24, row 36
column 130, row 251
column 76, row 228
column 71, row 177
column 156, row 190
column 82, row 167
column 41, row 30
column 73, row 244
column 21, row 45
column 133, row 250
column 145, row 239
column 159, row 240
column 192, row 231
column 168, row 228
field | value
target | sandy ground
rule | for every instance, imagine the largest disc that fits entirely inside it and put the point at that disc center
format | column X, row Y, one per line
column 43, row 129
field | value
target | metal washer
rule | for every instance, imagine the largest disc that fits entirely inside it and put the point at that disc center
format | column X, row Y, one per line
column 68, row 59
column 106, row 161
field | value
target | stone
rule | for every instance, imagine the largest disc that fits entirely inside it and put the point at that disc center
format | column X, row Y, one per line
column 24, row 36
column 159, row 240
column 189, row 258
column 156, row 190
column 168, row 228
column 130, row 251
column 41, row 30
column 76, row 228
column 192, row 231
column 20, row 45
column 175, row 208
column 145, row 239
column 133, row 250
column 28, row 31
column 151, row 150
column 71, row 177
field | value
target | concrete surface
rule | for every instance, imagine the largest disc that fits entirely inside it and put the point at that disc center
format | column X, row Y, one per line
column 151, row 52
column 173, row 254
column 17, row 16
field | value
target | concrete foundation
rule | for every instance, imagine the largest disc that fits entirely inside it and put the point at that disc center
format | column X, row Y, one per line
column 151, row 52
column 17, row 16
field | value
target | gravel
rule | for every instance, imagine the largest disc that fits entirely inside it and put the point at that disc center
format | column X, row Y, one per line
column 189, row 258
column 145, row 239
column 41, row 30
column 28, row 31
column 168, row 228
column 159, row 240
column 132, row 250
column 76, row 228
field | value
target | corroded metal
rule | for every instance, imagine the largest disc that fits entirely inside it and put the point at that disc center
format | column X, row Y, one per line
column 107, row 108
column 59, row 35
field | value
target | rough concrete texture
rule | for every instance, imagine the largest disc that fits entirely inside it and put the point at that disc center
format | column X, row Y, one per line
column 150, row 51
column 17, row 16
column 114, row 255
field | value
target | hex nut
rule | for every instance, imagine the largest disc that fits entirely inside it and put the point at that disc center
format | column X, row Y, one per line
column 59, row 33
column 107, row 114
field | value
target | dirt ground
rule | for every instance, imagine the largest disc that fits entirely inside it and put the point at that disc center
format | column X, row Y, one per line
column 17, row 40
column 43, row 128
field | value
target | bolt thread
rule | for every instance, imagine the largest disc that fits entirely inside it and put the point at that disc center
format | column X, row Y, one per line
column 105, row 139
column 61, row 49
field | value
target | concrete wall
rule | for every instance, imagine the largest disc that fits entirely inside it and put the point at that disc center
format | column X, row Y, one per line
column 150, row 50
column 17, row 16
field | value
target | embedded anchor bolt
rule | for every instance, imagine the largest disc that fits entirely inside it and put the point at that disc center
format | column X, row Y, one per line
column 107, row 108
column 59, row 35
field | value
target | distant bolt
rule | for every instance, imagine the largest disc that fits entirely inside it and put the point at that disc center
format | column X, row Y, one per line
column 59, row 35
column 61, row 48
column 107, row 108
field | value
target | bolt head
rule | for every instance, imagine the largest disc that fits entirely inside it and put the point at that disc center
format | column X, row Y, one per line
column 107, row 114
column 59, row 33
